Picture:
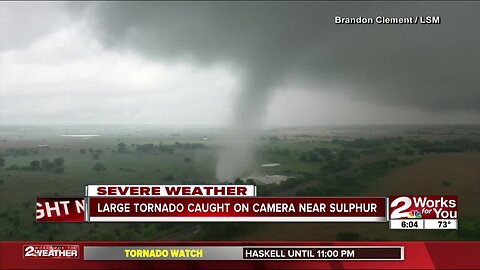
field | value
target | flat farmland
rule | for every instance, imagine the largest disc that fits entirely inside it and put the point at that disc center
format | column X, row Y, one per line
column 432, row 174
column 437, row 174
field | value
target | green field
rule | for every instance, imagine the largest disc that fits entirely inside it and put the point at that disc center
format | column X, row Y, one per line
column 320, row 162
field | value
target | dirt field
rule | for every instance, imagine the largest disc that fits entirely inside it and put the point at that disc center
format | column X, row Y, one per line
column 460, row 170
column 440, row 174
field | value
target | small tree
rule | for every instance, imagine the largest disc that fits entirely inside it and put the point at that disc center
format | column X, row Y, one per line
column 57, row 165
column 47, row 165
column 35, row 165
column 98, row 167
column 96, row 156
column 250, row 182
column 169, row 178
column 58, row 162
column 2, row 162
column 122, row 147
column 348, row 236
column 239, row 181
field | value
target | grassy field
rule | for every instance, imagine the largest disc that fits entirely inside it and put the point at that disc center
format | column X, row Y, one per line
column 327, row 161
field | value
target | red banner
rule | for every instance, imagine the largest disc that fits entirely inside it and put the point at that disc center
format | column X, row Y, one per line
column 417, row 255
column 60, row 210
column 268, row 209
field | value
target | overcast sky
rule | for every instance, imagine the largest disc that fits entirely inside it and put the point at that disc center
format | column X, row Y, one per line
column 240, row 63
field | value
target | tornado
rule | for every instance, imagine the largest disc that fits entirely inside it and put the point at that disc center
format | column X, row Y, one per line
column 236, row 157
column 273, row 44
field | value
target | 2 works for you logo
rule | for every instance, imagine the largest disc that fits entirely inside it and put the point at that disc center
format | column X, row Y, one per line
column 50, row 251
column 424, row 207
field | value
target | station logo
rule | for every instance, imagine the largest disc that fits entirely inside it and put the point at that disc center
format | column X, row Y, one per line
column 414, row 214
column 423, row 207
column 51, row 251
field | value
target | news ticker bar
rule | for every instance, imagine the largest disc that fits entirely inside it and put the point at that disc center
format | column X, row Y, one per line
column 331, row 255
column 110, row 253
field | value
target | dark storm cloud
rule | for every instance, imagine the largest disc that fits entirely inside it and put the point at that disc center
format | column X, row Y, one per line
column 295, row 44
column 432, row 67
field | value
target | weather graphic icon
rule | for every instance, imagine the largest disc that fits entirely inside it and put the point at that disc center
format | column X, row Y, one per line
column 414, row 214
